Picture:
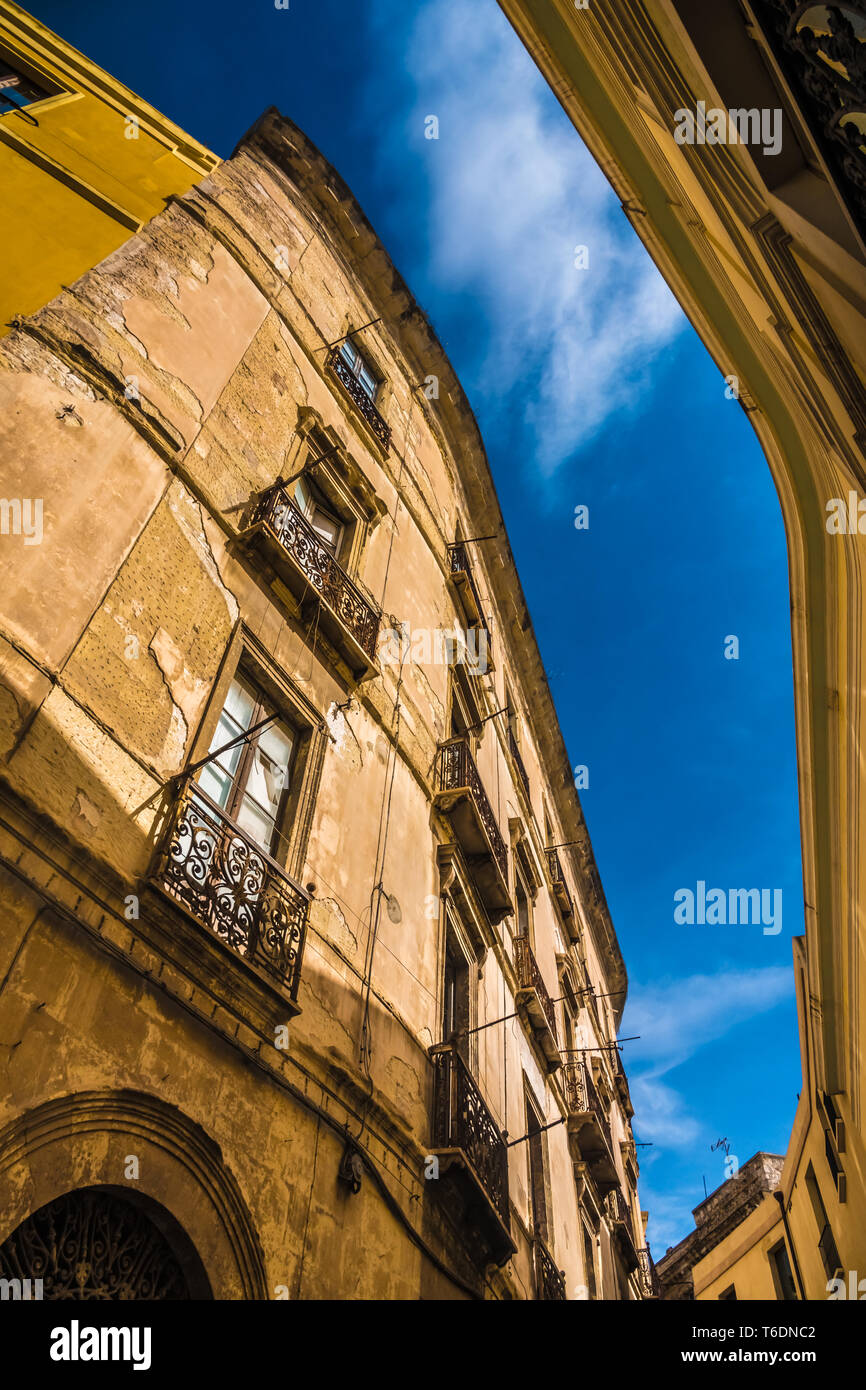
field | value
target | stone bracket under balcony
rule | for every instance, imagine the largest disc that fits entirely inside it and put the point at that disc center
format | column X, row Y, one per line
column 534, row 1003
column 459, row 795
column 290, row 545
column 472, row 1157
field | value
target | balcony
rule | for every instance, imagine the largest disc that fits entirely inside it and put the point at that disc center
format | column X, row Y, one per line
column 310, row 571
column 589, row 1126
column 514, row 750
column 460, row 795
column 472, row 1152
column 230, row 885
column 649, row 1280
column 462, row 582
column 549, row 1281
column 623, row 1230
column 561, row 895
column 535, row 1003
column 337, row 365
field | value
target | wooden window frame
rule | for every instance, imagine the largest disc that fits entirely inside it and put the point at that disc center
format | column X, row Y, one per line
column 247, row 656
column 263, row 707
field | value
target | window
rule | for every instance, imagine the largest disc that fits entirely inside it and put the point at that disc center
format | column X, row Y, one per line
column 250, row 781
column 455, row 1007
column 16, row 89
column 360, row 368
column 728, row 1295
column 328, row 527
column 589, row 1262
column 782, row 1276
column 522, row 903
column 537, row 1170
column 826, row 1242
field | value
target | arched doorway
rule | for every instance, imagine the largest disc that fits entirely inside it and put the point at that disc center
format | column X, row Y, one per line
column 101, row 1243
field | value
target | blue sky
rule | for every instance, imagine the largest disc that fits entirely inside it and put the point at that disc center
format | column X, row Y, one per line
column 590, row 388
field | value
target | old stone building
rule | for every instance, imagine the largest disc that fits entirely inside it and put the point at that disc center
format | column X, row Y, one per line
column 733, row 134
column 717, row 1217
column 308, row 986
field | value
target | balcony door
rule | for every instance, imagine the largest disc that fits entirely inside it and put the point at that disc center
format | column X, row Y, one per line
column 537, row 1171
column 456, row 1001
column 326, row 524
column 250, row 781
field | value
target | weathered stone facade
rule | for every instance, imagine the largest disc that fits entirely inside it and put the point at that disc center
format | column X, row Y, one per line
column 230, row 1038
column 715, row 1218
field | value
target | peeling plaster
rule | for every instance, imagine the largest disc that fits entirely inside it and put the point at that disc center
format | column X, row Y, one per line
column 187, row 692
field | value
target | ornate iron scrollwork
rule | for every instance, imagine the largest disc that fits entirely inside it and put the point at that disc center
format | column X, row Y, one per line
column 92, row 1245
column 330, row 581
column 824, row 62
column 557, row 878
column 529, row 977
column 232, row 886
column 461, row 1120
column 549, row 1281
column 338, row 366
column 457, row 769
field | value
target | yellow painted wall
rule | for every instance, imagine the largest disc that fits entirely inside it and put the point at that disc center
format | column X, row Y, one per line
column 77, row 185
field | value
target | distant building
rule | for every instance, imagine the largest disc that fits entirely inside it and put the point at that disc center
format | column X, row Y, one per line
column 715, row 1218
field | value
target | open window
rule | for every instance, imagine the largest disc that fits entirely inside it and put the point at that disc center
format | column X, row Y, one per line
column 250, row 780
column 17, row 88
column 456, row 998
column 328, row 526
column 360, row 368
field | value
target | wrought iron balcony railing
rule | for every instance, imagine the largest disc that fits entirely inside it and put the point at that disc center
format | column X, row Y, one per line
column 819, row 49
column 532, row 996
column 338, row 365
column 461, row 575
column 619, row 1208
column 588, row 1120
column 549, row 1281
column 460, row 792
column 231, row 886
column 352, row 615
column 562, row 895
column 649, row 1279
column 465, row 1130
column 514, row 750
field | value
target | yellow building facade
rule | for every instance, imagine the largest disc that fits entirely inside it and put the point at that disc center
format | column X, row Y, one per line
column 308, row 975
column 84, row 163
column 759, row 228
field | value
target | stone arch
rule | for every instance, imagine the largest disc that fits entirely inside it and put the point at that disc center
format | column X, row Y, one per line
column 107, row 1244
column 85, row 1141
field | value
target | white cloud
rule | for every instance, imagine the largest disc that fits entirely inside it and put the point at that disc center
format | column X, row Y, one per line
column 513, row 193
column 677, row 1017
column 661, row 1113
